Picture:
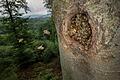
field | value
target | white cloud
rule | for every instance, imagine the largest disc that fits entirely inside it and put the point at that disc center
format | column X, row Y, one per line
column 36, row 7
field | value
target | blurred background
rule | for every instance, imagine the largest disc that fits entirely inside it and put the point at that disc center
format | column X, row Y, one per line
column 28, row 41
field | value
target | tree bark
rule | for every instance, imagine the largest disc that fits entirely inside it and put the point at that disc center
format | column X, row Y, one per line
column 89, row 38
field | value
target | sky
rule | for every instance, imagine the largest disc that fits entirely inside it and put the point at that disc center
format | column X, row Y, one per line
column 36, row 7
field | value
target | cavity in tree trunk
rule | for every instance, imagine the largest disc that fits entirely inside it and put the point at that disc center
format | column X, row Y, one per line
column 89, row 38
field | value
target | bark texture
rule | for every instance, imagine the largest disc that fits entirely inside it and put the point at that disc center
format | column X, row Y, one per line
column 89, row 38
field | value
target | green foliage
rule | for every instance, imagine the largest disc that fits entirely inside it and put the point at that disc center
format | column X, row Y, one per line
column 12, row 7
column 24, row 58
column 8, row 74
column 46, row 75
column 50, row 51
column 6, row 51
column 27, row 53
column 4, row 39
column 7, row 67
column 14, row 34
column 48, row 42
column 17, row 47
column 17, row 28
column 48, row 4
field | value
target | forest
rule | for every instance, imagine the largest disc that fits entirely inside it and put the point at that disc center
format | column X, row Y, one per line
column 28, row 46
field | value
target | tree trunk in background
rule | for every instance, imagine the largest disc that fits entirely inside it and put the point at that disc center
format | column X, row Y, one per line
column 89, row 38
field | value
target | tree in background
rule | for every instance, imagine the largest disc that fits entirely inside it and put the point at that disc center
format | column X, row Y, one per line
column 16, row 51
column 14, row 24
column 17, row 27
column 48, row 4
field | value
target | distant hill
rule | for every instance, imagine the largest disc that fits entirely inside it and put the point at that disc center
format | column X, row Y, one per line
column 37, row 16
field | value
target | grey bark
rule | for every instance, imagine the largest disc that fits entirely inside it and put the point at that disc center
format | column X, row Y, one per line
column 99, row 59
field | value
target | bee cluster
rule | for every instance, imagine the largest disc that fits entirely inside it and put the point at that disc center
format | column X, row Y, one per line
column 80, row 29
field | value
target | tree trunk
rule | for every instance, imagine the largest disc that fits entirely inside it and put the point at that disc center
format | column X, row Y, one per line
column 89, row 38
